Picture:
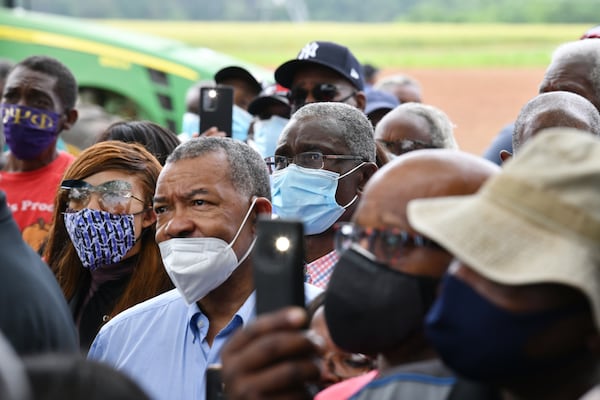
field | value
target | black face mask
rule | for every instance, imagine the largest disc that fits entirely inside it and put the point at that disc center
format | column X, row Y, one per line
column 371, row 308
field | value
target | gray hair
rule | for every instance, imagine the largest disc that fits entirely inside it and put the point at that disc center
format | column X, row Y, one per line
column 581, row 50
column 567, row 109
column 247, row 170
column 441, row 129
column 341, row 117
column 396, row 80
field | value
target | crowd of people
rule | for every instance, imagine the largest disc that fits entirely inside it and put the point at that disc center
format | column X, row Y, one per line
column 429, row 272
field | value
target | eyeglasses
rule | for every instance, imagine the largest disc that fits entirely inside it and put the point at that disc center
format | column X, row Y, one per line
column 113, row 196
column 311, row 159
column 320, row 92
column 348, row 365
column 387, row 245
column 398, row 147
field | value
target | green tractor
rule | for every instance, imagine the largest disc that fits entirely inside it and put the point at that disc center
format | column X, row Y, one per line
column 128, row 74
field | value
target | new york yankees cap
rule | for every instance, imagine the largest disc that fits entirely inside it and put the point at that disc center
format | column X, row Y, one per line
column 328, row 54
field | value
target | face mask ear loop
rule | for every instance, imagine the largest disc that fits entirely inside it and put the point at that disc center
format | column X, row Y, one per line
column 244, row 222
column 351, row 201
column 351, row 171
column 346, row 174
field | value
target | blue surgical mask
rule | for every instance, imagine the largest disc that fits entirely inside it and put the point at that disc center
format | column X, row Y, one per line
column 190, row 125
column 484, row 342
column 309, row 195
column 266, row 134
column 240, row 123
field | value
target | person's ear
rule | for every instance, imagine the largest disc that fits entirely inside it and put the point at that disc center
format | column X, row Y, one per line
column 148, row 218
column 262, row 209
column 366, row 172
column 361, row 100
column 263, row 206
column 505, row 155
column 70, row 119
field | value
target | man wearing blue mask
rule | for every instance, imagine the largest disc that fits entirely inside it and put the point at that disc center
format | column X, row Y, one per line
column 520, row 307
column 325, row 156
column 208, row 199
column 38, row 103
column 245, row 88
column 271, row 111
column 324, row 72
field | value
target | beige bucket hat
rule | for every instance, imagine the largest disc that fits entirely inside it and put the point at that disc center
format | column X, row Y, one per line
column 538, row 221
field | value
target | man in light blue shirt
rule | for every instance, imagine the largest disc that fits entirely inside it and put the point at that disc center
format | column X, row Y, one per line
column 208, row 199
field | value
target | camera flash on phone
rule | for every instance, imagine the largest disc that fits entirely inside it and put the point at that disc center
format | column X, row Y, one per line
column 282, row 244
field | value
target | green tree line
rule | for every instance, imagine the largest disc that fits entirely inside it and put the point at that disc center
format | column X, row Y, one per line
column 510, row 11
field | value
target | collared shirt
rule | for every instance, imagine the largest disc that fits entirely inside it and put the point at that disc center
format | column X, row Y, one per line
column 319, row 271
column 161, row 344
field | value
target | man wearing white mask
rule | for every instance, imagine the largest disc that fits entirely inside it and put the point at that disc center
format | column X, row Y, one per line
column 208, row 198
column 324, row 158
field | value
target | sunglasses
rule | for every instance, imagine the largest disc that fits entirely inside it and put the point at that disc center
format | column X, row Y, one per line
column 387, row 245
column 320, row 92
column 113, row 196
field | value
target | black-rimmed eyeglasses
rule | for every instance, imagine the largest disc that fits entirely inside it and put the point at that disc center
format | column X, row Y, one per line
column 310, row 159
column 399, row 147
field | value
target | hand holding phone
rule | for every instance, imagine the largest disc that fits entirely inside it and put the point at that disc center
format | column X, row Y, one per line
column 216, row 108
column 278, row 261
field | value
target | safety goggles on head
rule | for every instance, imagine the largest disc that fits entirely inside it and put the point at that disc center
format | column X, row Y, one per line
column 398, row 147
column 310, row 159
column 387, row 245
column 320, row 92
column 113, row 196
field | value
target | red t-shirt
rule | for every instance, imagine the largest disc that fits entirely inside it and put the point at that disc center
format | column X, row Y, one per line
column 30, row 196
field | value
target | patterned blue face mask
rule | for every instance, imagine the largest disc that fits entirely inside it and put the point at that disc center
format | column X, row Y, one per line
column 240, row 123
column 99, row 237
column 309, row 195
column 266, row 134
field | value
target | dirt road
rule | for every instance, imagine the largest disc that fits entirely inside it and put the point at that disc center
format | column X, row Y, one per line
column 479, row 101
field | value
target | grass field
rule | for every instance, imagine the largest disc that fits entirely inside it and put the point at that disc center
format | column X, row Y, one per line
column 386, row 45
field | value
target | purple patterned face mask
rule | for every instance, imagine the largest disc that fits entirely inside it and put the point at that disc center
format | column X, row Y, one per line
column 100, row 238
column 28, row 131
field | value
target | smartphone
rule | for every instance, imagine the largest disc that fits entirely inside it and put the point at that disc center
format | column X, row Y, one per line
column 214, row 383
column 278, row 261
column 216, row 108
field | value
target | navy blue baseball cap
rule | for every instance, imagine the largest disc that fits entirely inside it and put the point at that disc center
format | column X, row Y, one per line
column 328, row 54
column 380, row 100
column 273, row 94
column 235, row 71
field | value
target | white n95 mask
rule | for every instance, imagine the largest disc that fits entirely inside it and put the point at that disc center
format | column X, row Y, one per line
column 197, row 266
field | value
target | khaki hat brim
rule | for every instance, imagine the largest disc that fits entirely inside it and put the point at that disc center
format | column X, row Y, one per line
column 508, row 246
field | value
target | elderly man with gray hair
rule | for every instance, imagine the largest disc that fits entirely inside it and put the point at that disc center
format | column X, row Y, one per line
column 575, row 67
column 324, row 157
column 413, row 126
column 552, row 110
column 208, row 199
